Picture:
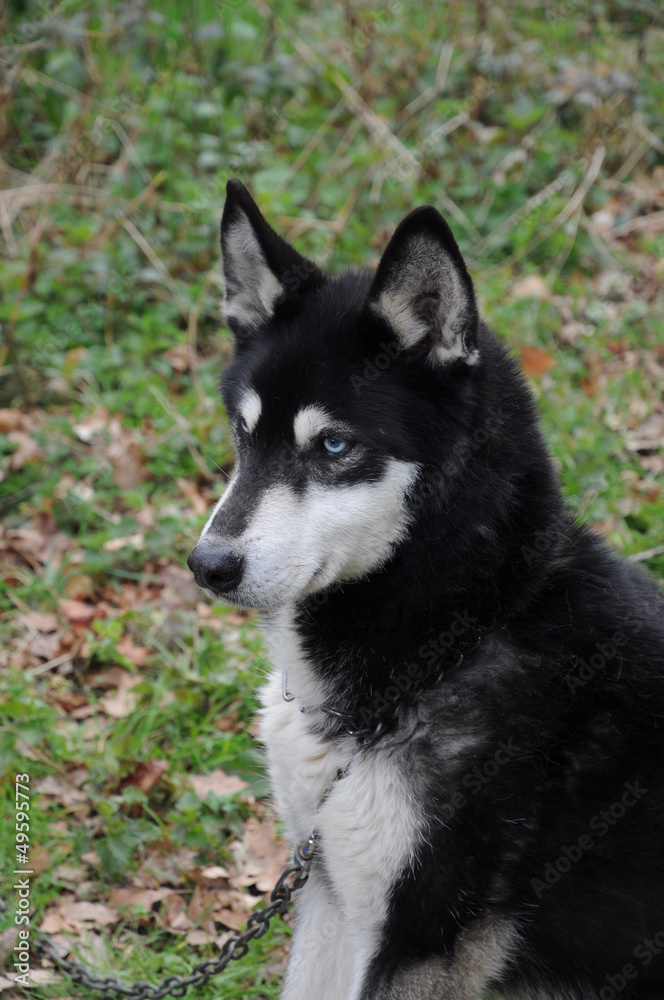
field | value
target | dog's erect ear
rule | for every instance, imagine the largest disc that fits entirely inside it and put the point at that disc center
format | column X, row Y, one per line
column 261, row 270
column 424, row 292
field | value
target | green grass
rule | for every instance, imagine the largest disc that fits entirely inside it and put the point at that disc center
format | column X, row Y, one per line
column 120, row 126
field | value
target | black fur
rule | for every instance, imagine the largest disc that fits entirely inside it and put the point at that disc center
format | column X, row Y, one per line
column 562, row 642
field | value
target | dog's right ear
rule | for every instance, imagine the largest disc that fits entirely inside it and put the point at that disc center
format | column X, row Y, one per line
column 261, row 270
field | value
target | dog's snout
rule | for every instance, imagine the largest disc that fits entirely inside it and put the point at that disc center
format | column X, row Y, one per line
column 216, row 567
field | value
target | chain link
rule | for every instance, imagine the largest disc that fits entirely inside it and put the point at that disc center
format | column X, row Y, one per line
column 234, row 948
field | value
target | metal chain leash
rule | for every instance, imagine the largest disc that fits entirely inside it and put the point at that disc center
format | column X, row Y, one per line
column 236, row 946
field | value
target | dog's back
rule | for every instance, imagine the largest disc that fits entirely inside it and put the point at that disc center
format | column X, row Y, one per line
column 468, row 696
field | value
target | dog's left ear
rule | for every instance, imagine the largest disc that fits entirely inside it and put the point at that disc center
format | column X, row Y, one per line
column 424, row 292
column 261, row 270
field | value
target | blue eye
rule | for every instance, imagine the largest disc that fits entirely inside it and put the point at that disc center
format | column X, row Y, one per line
column 333, row 446
column 244, row 426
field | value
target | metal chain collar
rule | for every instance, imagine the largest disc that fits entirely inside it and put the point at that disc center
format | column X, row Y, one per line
column 235, row 947
column 380, row 721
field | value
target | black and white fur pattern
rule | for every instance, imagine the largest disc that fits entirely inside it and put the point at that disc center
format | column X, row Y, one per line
column 394, row 514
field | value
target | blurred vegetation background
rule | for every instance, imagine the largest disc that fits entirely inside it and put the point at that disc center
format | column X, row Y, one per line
column 537, row 129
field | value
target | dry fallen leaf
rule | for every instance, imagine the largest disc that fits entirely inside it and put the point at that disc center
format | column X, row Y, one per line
column 125, row 457
column 11, row 420
column 217, row 782
column 136, row 541
column 213, row 874
column 652, row 463
column 197, row 937
column 42, row 858
column 8, row 939
column 78, row 612
column 200, row 909
column 649, row 437
column 146, row 775
column 180, row 588
column 70, row 875
column 62, row 792
column 74, row 916
column 135, row 654
column 43, row 621
column 229, row 724
column 158, row 868
column 172, row 915
column 91, row 948
column 27, row 450
column 45, row 645
column 92, row 424
column 535, row 362
column 180, row 357
column 198, row 502
column 38, row 541
column 530, row 287
column 123, row 702
column 231, row 918
column 260, row 856
column 71, row 701
column 129, row 896
column 43, row 977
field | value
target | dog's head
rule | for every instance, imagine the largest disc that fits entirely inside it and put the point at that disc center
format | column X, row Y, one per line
column 340, row 391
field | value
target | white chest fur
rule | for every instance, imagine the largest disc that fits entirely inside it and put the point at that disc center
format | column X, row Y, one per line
column 369, row 824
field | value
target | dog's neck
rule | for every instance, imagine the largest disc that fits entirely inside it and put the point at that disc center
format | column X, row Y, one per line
column 337, row 683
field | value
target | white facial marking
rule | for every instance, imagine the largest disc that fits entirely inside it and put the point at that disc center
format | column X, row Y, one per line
column 253, row 288
column 226, row 494
column 297, row 544
column 308, row 424
column 250, row 408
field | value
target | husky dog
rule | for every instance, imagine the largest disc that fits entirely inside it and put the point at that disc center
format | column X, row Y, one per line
column 467, row 701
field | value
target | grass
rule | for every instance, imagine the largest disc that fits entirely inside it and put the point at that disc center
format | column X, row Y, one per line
column 535, row 128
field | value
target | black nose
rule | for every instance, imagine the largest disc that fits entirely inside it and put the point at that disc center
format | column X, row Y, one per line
column 216, row 567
